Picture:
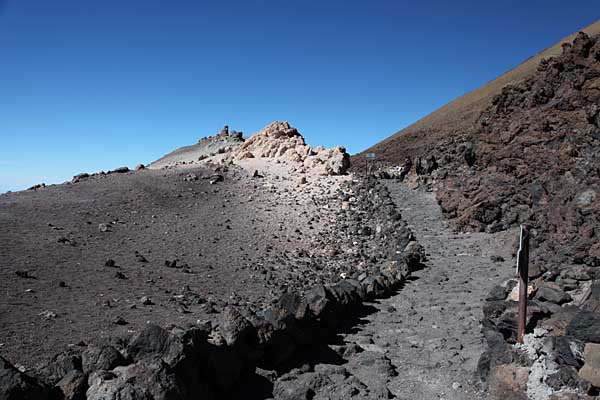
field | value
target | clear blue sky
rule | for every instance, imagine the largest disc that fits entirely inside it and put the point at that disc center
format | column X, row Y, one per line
column 92, row 85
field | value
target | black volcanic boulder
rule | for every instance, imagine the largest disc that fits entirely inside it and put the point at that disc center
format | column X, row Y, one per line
column 317, row 300
column 59, row 366
column 585, row 326
column 176, row 346
column 73, row 385
column 104, row 357
column 15, row 385
column 552, row 295
column 147, row 379
column 178, row 354
column 413, row 255
column 593, row 302
column 234, row 327
column 154, row 340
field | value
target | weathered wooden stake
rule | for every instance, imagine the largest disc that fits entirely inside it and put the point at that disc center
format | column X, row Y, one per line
column 523, row 271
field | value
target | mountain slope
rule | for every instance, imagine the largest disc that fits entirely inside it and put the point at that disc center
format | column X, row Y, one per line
column 460, row 114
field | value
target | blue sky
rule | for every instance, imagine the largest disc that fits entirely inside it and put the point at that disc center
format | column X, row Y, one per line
column 92, row 85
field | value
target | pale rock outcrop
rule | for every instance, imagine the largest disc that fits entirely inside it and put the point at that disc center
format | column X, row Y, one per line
column 281, row 141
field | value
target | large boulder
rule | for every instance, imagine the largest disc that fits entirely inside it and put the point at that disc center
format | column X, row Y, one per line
column 551, row 295
column 172, row 346
column 182, row 350
column 59, row 366
column 73, row 385
column 102, row 357
column 234, row 327
column 144, row 380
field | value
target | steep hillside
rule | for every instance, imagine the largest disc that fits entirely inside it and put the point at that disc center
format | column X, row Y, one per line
column 530, row 157
column 460, row 114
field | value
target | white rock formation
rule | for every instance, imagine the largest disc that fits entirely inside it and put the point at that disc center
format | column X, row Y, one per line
column 281, row 141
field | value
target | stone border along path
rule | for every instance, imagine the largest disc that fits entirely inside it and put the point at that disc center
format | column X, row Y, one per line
column 430, row 331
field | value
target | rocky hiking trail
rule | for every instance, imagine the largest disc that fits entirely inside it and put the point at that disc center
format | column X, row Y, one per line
column 425, row 341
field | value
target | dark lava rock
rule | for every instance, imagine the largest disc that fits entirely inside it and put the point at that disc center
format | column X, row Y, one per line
column 346, row 293
column 563, row 351
column 59, row 366
column 175, row 347
column 234, row 327
column 292, row 305
column 15, row 385
column 497, row 352
column 414, row 256
column 567, row 376
column 119, row 170
column 374, row 370
column 153, row 340
column 327, row 382
column 498, row 293
column 74, row 385
column 80, row 177
column 593, row 302
column 552, row 295
column 24, row 274
column 140, row 258
column 147, row 379
column 104, row 357
column 317, row 300
column 585, row 326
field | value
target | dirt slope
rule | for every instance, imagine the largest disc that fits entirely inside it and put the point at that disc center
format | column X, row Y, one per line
column 461, row 113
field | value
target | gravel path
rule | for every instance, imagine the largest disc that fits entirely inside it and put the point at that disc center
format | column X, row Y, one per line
column 425, row 341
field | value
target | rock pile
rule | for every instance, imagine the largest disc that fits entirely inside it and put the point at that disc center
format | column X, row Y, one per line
column 533, row 159
column 282, row 141
column 560, row 354
column 278, row 141
column 203, row 361
column 210, row 360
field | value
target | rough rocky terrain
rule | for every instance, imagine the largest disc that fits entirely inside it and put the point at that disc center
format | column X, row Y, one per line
column 461, row 114
column 530, row 157
column 425, row 341
column 277, row 141
column 254, row 268
column 254, row 265
column 109, row 251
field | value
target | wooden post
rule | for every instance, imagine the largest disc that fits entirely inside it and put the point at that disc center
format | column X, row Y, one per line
column 523, row 271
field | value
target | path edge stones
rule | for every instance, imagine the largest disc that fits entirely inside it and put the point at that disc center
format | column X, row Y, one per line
column 176, row 363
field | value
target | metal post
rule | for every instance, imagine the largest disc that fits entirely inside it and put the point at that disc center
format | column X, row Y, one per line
column 523, row 271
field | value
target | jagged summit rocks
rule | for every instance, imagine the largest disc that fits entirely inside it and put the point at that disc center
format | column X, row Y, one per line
column 278, row 141
column 282, row 141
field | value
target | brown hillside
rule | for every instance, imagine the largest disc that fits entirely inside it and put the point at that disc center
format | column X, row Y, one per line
column 462, row 113
column 530, row 156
